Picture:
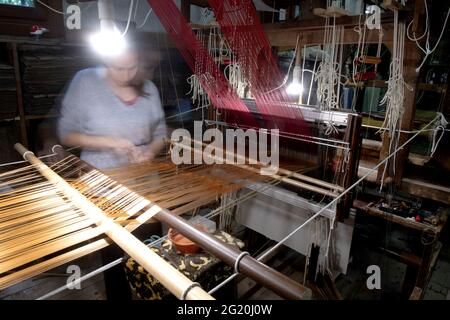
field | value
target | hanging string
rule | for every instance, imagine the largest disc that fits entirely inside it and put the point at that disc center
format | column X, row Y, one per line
column 48, row 7
column 173, row 81
column 313, row 75
column 145, row 19
column 380, row 41
column 130, row 11
column 286, row 77
column 427, row 51
column 394, row 97
column 360, row 48
column 441, row 124
column 328, row 72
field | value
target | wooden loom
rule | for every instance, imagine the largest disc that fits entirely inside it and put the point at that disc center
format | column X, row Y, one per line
column 46, row 221
column 49, row 216
column 40, row 229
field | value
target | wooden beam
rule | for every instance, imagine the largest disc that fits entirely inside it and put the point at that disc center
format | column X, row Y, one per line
column 419, row 8
column 416, row 294
column 20, row 106
column 290, row 10
column 200, row 3
column 353, row 137
column 318, row 23
column 426, row 190
column 186, row 9
column 429, row 257
column 286, row 37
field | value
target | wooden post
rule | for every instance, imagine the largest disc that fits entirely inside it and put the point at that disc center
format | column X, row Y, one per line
column 416, row 294
column 20, row 107
column 186, row 9
column 409, row 280
column 419, row 7
column 353, row 137
column 411, row 60
column 290, row 11
column 426, row 261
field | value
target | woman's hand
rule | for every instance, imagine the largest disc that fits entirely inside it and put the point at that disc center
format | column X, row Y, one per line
column 147, row 152
column 142, row 154
column 121, row 146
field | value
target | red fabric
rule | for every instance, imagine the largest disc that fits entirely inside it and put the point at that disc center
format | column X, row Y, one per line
column 201, row 63
column 240, row 24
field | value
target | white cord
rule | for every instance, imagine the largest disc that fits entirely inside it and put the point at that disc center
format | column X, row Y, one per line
column 398, row 130
column 197, row 93
column 145, row 20
column 130, row 11
column 427, row 51
column 313, row 76
column 394, row 97
column 238, row 261
column 327, row 76
column 135, row 9
column 47, row 6
column 440, row 126
column 41, row 157
column 330, row 129
column 236, row 79
column 189, row 288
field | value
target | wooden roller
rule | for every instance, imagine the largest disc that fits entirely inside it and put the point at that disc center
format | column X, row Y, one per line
column 171, row 278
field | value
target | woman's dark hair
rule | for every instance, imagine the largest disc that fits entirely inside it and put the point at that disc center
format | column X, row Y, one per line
column 138, row 83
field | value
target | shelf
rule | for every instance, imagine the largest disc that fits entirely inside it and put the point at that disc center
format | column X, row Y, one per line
column 439, row 88
column 372, row 210
column 427, row 189
column 41, row 42
column 43, row 116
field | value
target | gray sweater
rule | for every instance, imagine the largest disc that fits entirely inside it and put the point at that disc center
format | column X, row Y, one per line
column 90, row 107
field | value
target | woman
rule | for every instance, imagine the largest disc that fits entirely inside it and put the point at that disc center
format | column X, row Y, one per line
column 116, row 117
column 113, row 114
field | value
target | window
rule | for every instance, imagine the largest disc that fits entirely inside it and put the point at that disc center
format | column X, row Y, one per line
column 21, row 3
column 282, row 14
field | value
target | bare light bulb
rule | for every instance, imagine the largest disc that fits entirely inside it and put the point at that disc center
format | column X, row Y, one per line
column 295, row 88
column 108, row 42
